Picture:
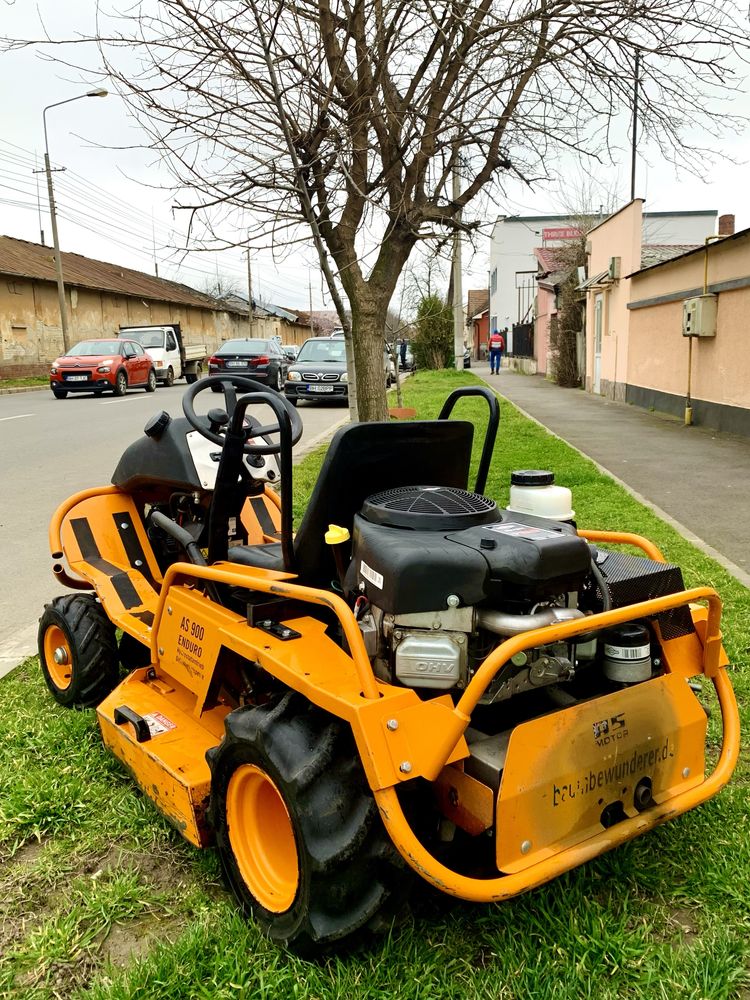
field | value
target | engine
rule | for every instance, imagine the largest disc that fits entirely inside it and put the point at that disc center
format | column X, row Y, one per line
column 444, row 576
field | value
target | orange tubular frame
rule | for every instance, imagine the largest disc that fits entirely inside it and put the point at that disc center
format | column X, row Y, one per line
column 237, row 578
column 495, row 889
column 624, row 538
column 444, row 740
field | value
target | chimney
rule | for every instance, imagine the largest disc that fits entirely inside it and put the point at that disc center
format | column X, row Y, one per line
column 726, row 225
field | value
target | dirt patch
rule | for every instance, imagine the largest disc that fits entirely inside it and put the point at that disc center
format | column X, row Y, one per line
column 128, row 942
column 162, row 871
column 683, row 921
column 28, row 852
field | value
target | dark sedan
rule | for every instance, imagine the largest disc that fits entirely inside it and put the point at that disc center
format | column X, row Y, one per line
column 262, row 360
column 319, row 371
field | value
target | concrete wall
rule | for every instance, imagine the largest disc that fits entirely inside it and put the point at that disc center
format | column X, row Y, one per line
column 30, row 332
column 658, row 359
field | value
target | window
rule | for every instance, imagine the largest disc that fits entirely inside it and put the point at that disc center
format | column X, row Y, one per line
column 171, row 343
column 138, row 351
column 493, row 281
column 493, row 323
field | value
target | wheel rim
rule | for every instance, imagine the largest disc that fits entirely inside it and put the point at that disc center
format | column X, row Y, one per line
column 121, row 382
column 262, row 838
column 57, row 648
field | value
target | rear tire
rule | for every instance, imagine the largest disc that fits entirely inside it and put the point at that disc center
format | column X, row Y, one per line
column 169, row 380
column 298, row 832
column 121, row 384
column 77, row 651
column 151, row 381
column 194, row 376
column 279, row 383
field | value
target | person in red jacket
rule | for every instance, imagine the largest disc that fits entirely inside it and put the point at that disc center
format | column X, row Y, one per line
column 497, row 346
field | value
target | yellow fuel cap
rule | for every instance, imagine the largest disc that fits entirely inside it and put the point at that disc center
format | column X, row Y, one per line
column 336, row 535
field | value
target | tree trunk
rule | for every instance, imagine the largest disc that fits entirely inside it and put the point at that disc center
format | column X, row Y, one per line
column 368, row 326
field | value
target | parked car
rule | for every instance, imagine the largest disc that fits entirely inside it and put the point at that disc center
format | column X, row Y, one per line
column 262, row 360
column 291, row 351
column 98, row 366
column 319, row 371
column 389, row 365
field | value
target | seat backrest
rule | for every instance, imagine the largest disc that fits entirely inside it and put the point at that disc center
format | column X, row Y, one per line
column 366, row 458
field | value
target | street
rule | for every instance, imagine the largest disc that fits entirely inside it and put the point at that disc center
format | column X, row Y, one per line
column 51, row 448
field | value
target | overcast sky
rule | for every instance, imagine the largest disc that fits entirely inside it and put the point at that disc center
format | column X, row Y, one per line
column 108, row 197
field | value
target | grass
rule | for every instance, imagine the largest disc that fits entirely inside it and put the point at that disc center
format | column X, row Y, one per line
column 17, row 383
column 101, row 899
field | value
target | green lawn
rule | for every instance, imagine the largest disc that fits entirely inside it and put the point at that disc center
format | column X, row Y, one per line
column 100, row 898
column 15, row 383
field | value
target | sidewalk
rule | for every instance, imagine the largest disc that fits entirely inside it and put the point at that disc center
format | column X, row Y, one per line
column 696, row 479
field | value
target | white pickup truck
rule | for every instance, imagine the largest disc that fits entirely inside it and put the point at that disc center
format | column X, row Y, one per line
column 172, row 357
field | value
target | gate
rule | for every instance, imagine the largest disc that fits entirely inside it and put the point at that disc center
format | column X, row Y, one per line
column 523, row 340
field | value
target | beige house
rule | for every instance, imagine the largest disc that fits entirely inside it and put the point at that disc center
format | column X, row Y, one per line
column 635, row 348
column 100, row 298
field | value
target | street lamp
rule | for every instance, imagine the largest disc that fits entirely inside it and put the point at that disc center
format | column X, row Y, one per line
column 96, row 92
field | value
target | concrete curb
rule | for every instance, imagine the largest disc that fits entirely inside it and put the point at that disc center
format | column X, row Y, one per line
column 12, row 390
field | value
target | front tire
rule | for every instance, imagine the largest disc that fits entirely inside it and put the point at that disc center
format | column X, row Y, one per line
column 151, row 381
column 169, row 380
column 60, row 393
column 121, row 384
column 298, row 832
column 77, row 651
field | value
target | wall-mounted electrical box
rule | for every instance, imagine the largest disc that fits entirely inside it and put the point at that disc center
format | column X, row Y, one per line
column 613, row 271
column 699, row 316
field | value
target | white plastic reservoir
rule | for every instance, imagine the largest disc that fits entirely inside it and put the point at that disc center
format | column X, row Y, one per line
column 533, row 491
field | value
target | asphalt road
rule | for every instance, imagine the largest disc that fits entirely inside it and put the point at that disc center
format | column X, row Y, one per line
column 51, row 448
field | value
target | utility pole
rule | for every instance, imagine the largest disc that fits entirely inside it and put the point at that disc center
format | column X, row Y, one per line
column 309, row 292
column 636, row 82
column 97, row 92
column 250, row 309
column 458, row 312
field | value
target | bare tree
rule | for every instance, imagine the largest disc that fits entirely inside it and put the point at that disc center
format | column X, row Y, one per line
column 344, row 118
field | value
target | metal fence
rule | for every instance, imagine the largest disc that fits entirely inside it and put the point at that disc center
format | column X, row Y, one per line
column 523, row 340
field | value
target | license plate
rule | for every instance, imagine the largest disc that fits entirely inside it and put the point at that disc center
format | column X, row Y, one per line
column 320, row 388
column 236, row 364
column 76, row 378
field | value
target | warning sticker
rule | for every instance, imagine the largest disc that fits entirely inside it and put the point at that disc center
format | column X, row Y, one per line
column 521, row 530
column 370, row 574
column 158, row 723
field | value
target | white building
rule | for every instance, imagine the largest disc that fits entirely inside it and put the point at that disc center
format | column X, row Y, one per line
column 513, row 266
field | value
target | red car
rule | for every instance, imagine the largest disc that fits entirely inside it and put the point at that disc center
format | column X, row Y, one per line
column 101, row 365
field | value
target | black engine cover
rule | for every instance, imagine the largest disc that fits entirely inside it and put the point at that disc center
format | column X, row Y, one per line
column 516, row 558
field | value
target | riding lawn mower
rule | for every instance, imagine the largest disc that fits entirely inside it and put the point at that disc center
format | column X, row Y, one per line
column 416, row 679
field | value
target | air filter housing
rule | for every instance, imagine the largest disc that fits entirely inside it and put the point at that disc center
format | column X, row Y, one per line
column 429, row 508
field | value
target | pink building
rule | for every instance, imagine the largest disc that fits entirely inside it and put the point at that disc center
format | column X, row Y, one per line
column 637, row 299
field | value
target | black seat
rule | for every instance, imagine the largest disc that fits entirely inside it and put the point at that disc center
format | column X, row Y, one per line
column 364, row 459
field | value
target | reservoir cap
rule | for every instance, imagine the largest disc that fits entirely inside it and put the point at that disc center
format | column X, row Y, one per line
column 531, row 477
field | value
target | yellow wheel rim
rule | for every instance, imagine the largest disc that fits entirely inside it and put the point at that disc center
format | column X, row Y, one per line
column 262, row 838
column 58, row 657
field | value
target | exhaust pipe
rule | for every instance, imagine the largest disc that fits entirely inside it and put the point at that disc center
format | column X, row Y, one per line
column 506, row 624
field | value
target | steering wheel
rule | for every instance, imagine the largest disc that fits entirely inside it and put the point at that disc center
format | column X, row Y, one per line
column 228, row 384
